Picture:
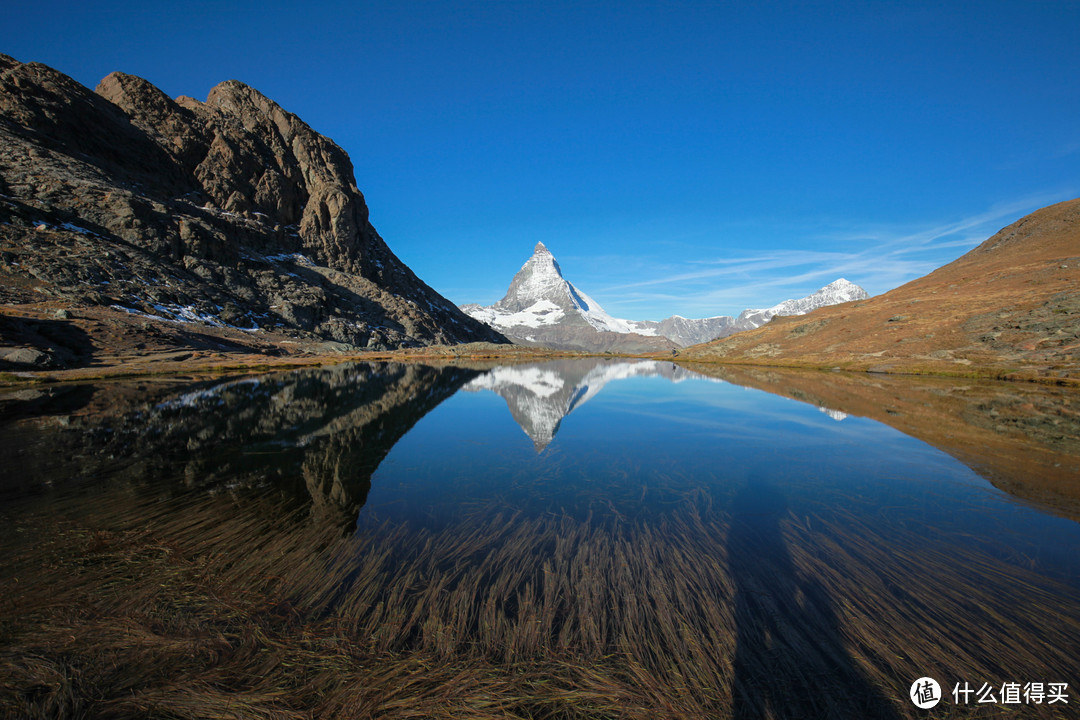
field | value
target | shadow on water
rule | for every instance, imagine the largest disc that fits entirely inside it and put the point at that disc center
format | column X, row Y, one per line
column 790, row 660
column 43, row 401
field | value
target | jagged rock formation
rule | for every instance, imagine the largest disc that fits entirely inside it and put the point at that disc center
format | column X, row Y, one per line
column 1008, row 308
column 231, row 212
column 687, row 331
column 543, row 308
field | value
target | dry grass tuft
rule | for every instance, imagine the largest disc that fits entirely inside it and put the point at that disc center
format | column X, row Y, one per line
column 218, row 608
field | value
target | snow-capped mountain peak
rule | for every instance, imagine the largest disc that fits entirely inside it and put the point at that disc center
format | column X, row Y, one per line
column 544, row 308
column 539, row 295
column 540, row 278
column 838, row 291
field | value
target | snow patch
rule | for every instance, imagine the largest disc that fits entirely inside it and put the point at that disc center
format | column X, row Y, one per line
column 187, row 314
column 297, row 258
column 194, row 399
column 542, row 312
column 834, row 414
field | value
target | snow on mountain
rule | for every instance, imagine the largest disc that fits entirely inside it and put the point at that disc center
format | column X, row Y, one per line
column 544, row 308
column 599, row 319
column 541, row 312
column 839, row 291
column 540, row 295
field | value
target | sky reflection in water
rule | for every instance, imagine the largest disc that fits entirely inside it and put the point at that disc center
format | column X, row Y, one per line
column 725, row 549
column 645, row 439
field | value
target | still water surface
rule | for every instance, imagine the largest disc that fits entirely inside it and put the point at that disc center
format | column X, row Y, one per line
column 601, row 537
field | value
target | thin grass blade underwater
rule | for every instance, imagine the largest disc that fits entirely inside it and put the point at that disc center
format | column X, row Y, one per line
column 572, row 539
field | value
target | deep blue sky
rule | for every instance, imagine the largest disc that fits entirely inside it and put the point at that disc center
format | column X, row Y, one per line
column 676, row 157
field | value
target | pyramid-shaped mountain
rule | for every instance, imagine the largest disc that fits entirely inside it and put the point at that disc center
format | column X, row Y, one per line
column 541, row 307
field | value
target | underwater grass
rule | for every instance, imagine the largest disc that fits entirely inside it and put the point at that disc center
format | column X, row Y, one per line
column 239, row 607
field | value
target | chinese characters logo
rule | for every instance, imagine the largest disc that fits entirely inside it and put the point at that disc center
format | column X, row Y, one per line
column 925, row 693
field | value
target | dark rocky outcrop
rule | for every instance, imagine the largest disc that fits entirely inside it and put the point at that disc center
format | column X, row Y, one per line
column 229, row 212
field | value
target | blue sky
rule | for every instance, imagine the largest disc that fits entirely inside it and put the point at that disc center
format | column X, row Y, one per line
column 676, row 157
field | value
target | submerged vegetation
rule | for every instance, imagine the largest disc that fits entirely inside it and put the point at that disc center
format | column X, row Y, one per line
column 146, row 585
column 214, row 608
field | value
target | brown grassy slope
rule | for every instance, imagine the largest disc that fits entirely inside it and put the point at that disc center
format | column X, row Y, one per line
column 1009, row 308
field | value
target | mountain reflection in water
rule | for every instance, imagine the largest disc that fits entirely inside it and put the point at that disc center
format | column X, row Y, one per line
column 366, row 541
column 540, row 395
column 311, row 435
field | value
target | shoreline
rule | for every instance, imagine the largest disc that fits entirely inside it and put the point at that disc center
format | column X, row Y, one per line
column 105, row 344
column 198, row 363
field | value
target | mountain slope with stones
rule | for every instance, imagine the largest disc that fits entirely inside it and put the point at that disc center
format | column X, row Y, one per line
column 229, row 213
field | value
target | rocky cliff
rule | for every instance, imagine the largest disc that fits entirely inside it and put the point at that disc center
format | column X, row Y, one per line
column 229, row 213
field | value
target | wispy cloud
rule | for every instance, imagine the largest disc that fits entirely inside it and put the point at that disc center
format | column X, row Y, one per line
column 739, row 267
column 879, row 259
column 1070, row 148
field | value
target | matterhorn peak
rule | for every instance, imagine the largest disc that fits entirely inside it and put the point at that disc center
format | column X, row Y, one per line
column 539, row 279
column 539, row 296
column 541, row 307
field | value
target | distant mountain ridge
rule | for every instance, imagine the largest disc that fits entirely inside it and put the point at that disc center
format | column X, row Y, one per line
column 836, row 292
column 542, row 307
column 231, row 213
column 1008, row 308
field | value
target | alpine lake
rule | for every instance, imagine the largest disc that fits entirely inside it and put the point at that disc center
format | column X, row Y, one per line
column 578, row 538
